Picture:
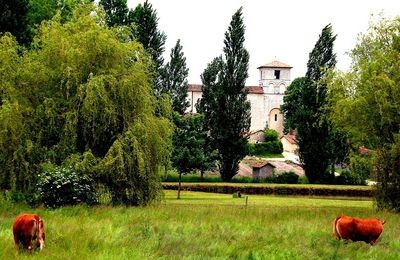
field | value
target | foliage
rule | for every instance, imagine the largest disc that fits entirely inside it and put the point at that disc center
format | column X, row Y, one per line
column 62, row 186
column 274, row 147
column 117, row 12
column 191, row 150
column 365, row 103
column 270, row 135
column 349, row 178
column 147, row 33
column 174, row 77
column 286, row 177
column 224, row 101
column 130, row 167
column 361, row 166
column 304, row 104
column 82, row 89
column 13, row 18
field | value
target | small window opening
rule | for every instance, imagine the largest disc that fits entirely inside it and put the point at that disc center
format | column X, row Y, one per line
column 277, row 74
column 276, row 117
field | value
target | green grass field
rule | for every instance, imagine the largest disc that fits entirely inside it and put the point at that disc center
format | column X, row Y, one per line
column 203, row 226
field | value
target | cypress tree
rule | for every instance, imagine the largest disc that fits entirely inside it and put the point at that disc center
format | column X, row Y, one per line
column 147, row 33
column 175, row 79
column 117, row 12
column 224, row 102
column 304, row 110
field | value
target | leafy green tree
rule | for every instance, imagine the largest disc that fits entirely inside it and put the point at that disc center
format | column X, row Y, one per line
column 117, row 12
column 147, row 33
column 224, row 102
column 190, row 151
column 365, row 103
column 82, row 89
column 175, row 79
column 13, row 18
column 303, row 108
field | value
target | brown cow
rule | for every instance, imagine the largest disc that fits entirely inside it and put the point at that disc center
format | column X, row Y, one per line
column 357, row 229
column 27, row 227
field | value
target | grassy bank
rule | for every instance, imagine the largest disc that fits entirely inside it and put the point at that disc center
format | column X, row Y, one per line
column 202, row 226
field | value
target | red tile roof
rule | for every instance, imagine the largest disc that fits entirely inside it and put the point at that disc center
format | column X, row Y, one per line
column 254, row 89
column 250, row 89
column 195, row 87
column 290, row 138
column 275, row 64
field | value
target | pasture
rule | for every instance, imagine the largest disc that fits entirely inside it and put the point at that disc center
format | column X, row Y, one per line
column 203, row 226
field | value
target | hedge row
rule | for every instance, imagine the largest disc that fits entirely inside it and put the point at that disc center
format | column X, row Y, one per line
column 271, row 190
column 274, row 147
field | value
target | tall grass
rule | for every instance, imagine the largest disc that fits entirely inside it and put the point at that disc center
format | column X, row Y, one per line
column 203, row 226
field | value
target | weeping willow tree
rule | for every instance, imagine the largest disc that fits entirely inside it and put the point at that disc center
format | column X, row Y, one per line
column 82, row 89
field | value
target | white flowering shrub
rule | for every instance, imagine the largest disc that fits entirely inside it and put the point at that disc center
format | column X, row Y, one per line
column 61, row 186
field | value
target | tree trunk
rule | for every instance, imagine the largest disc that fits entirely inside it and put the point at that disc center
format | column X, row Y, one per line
column 179, row 186
column 202, row 174
column 166, row 171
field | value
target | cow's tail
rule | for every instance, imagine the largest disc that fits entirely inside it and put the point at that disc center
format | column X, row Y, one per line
column 336, row 233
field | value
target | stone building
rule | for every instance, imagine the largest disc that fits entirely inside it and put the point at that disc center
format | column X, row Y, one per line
column 265, row 99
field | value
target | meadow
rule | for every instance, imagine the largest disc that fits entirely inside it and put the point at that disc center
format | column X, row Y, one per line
column 204, row 226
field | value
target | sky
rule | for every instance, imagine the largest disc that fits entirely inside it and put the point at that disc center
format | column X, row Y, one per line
column 284, row 30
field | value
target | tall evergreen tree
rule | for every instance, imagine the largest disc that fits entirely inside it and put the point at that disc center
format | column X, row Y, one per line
column 304, row 110
column 175, row 79
column 147, row 33
column 224, row 102
column 117, row 12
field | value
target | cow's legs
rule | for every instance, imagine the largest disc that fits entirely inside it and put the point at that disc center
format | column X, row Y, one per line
column 16, row 241
column 28, row 242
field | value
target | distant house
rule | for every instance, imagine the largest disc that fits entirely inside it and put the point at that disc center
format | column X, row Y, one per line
column 289, row 143
column 262, row 169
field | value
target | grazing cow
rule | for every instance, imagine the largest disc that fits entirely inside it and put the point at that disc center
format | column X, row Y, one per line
column 26, row 228
column 357, row 229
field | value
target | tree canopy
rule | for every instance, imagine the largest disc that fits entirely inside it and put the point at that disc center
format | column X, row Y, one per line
column 224, row 101
column 303, row 107
column 175, row 79
column 365, row 102
column 83, row 89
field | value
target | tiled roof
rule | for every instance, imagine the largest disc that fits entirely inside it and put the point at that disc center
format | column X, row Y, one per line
column 290, row 138
column 254, row 89
column 275, row 64
column 250, row 89
column 195, row 87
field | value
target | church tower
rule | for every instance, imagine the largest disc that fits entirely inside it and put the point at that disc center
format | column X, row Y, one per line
column 274, row 79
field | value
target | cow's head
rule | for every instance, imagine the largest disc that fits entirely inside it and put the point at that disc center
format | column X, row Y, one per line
column 40, row 235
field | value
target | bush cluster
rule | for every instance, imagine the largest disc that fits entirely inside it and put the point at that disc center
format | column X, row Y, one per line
column 59, row 186
column 349, row 178
column 273, row 147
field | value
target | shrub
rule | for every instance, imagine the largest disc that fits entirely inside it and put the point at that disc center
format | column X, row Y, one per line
column 270, row 135
column 349, row 178
column 59, row 186
column 250, row 148
column 361, row 165
column 274, row 147
column 286, row 177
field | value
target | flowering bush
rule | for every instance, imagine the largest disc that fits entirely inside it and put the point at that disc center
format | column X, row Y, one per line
column 61, row 186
